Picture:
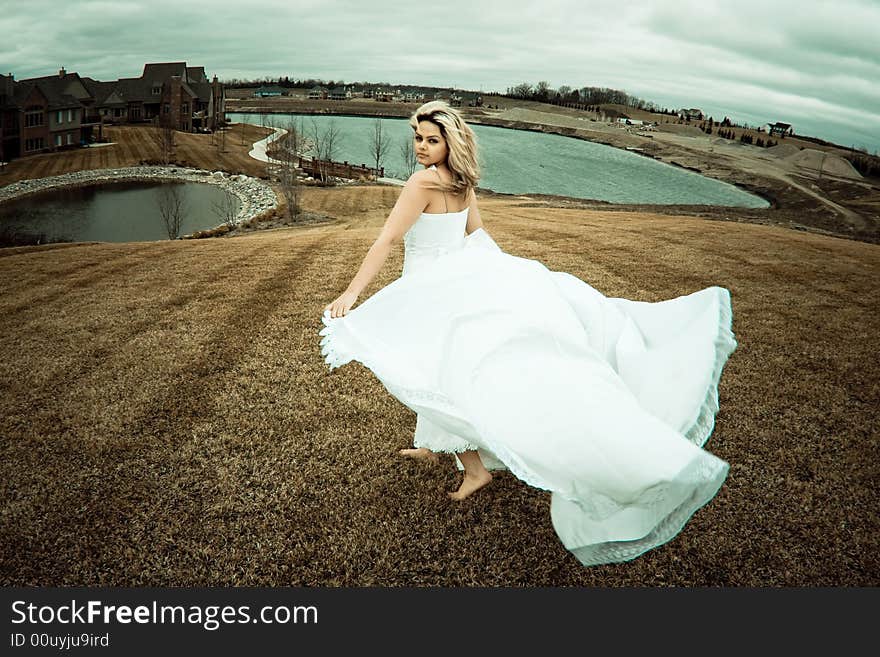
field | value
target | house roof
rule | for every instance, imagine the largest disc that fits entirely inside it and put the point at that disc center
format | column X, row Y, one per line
column 196, row 74
column 202, row 90
column 128, row 90
column 124, row 90
column 21, row 92
column 57, row 88
column 159, row 72
column 99, row 90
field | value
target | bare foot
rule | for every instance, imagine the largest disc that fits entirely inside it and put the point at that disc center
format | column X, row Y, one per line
column 421, row 454
column 470, row 484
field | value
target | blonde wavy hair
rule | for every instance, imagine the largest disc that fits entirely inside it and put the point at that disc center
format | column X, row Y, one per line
column 461, row 141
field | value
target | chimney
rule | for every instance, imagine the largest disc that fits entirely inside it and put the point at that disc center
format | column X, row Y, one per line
column 61, row 72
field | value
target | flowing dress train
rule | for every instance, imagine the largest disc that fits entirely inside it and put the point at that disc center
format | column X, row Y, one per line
column 604, row 402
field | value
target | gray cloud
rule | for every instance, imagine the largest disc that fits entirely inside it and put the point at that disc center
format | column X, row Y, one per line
column 811, row 63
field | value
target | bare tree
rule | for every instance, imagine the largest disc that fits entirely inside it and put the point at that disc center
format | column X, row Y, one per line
column 523, row 90
column 379, row 144
column 269, row 122
column 408, row 153
column 325, row 143
column 172, row 207
column 542, row 90
column 163, row 136
column 226, row 209
column 287, row 156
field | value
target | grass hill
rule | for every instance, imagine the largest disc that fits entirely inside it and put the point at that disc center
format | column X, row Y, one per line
column 166, row 417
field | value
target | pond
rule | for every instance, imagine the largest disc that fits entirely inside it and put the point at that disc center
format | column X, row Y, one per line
column 523, row 162
column 114, row 212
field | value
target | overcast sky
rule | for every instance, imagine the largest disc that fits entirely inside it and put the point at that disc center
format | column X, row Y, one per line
column 814, row 64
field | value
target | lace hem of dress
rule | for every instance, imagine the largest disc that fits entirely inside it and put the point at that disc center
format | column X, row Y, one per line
column 333, row 353
column 725, row 344
column 711, row 477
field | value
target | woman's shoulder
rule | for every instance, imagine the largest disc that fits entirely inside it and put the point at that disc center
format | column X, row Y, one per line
column 422, row 176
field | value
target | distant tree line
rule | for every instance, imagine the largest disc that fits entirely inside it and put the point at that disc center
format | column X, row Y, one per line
column 585, row 98
column 287, row 82
column 863, row 162
column 292, row 83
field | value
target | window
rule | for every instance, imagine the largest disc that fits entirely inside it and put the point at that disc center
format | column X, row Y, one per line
column 33, row 117
column 58, row 140
column 34, row 144
column 185, row 108
column 59, row 117
column 157, row 90
column 70, row 116
column 168, row 108
column 69, row 138
column 117, row 112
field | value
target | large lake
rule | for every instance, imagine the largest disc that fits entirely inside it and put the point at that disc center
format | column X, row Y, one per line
column 523, row 162
column 116, row 212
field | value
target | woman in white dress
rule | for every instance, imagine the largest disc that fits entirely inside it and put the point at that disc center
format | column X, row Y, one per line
column 604, row 402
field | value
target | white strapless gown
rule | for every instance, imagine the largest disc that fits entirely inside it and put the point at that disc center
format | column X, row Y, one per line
column 604, row 402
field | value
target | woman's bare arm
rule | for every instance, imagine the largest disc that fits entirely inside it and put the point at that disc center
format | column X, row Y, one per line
column 410, row 204
column 474, row 221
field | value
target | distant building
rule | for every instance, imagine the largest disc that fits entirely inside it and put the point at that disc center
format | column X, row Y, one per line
column 42, row 114
column 780, row 129
column 692, row 114
column 340, row 93
column 65, row 110
column 163, row 91
column 263, row 92
column 318, row 93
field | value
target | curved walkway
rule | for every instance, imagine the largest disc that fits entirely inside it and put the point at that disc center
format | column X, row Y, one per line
column 258, row 151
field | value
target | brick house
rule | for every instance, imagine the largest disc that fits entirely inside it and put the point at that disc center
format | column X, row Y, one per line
column 43, row 114
column 10, row 120
column 66, row 110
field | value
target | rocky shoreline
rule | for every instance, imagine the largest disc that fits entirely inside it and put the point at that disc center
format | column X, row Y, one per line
column 255, row 196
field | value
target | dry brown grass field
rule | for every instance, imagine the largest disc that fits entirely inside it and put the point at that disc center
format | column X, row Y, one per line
column 167, row 419
column 132, row 145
